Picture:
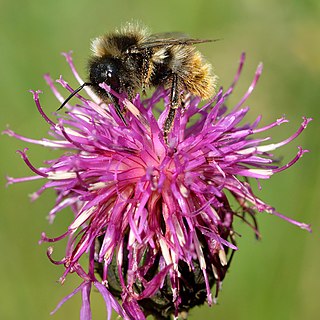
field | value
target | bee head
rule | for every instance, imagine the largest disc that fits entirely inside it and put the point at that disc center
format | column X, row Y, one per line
column 107, row 70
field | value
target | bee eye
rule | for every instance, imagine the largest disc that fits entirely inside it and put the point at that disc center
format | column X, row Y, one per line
column 106, row 70
column 112, row 78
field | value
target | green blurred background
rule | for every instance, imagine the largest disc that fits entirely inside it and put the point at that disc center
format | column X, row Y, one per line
column 276, row 278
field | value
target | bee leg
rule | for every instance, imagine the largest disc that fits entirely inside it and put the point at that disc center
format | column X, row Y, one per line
column 168, row 123
column 117, row 107
column 174, row 104
column 147, row 69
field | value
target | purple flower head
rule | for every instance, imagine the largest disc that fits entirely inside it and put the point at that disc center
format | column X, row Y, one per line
column 154, row 218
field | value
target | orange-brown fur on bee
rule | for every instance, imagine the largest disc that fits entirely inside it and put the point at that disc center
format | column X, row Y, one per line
column 195, row 74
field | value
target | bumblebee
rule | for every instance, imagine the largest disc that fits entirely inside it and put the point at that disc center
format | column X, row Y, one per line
column 131, row 60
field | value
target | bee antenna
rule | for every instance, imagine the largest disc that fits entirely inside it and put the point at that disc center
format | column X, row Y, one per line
column 74, row 93
column 218, row 39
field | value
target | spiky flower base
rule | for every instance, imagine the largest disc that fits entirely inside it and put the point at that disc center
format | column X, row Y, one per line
column 154, row 218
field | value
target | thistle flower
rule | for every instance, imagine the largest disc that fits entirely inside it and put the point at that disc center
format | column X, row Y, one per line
column 154, row 218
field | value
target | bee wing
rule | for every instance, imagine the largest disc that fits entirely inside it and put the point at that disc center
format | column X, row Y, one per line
column 167, row 40
column 167, row 35
column 170, row 42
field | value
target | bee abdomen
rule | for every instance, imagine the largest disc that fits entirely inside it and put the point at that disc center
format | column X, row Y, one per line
column 200, row 80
